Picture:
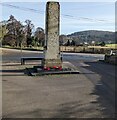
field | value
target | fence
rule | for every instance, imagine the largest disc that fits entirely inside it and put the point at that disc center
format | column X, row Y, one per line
column 86, row 49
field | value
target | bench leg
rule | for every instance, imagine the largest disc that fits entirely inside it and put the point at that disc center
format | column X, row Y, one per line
column 22, row 62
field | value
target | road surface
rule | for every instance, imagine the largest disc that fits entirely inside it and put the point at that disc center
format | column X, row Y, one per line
column 90, row 94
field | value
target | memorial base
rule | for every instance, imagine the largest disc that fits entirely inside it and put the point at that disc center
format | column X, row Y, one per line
column 51, row 63
column 67, row 68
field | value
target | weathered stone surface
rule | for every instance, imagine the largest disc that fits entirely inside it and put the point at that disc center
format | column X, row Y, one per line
column 52, row 62
column 52, row 50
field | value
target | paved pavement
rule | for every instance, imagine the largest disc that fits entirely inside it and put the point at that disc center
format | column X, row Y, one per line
column 86, row 95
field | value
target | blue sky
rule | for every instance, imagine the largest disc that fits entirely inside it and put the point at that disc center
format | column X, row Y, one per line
column 75, row 16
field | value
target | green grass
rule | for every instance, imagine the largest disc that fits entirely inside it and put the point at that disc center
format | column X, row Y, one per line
column 26, row 48
column 111, row 45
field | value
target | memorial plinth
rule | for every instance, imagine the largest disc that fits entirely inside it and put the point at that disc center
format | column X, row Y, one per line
column 51, row 50
column 52, row 63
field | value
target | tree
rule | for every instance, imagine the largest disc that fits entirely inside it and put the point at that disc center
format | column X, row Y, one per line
column 9, row 38
column 28, row 32
column 102, row 43
column 3, row 31
column 39, row 36
column 13, row 36
column 116, row 37
column 73, row 43
column 68, row 43
column 63, row 39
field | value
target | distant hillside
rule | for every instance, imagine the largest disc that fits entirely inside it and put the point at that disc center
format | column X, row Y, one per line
column 93, row 35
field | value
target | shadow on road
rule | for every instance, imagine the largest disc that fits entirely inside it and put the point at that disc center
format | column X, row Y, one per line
column 12, row 72
column 105, row 87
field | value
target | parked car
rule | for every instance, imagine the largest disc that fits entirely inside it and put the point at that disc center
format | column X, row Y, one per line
column 113, row 52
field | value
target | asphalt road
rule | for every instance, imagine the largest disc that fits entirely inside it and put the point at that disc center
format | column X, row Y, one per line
column 90, row 94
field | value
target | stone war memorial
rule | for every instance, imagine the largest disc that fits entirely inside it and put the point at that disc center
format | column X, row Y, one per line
column 52, row 62
column 52, row 56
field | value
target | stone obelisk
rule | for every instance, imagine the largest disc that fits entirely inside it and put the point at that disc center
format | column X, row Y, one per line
column 52, row 56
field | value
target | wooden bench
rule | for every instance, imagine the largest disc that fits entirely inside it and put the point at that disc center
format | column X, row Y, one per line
column 23, row 59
